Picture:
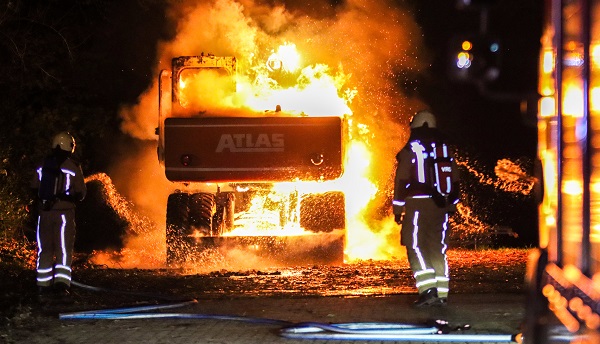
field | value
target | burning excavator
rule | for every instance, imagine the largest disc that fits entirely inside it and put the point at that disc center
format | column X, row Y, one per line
column 239, row 173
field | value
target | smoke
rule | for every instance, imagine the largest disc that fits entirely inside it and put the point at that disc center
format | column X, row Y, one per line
column 366, row 44
column 371, row 41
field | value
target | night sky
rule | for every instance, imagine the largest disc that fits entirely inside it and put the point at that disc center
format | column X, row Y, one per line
column 492, row 124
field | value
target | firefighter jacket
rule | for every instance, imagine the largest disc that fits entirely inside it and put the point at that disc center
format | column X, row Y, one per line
column 415, row 177
column 70, row 187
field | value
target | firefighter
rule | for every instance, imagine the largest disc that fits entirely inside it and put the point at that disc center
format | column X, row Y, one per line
column 422, row 204
column 59, row 185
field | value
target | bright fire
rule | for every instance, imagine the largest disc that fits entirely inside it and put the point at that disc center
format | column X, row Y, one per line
column 281, row 79
column 347, row 60
column 321, row 60
column 286, row 58
column 311, row 91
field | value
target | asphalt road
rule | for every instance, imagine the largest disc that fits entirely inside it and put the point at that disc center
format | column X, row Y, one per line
column 261, row 320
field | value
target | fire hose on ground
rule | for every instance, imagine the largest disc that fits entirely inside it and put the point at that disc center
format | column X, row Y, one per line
column 435, row 331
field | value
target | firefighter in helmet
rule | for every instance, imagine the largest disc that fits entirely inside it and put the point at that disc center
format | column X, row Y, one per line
column 58, row 184
column 425, row 194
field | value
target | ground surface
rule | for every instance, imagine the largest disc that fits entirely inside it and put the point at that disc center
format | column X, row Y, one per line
column 488, row 271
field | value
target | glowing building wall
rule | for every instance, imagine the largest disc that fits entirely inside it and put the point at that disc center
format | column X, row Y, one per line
column 569, row 137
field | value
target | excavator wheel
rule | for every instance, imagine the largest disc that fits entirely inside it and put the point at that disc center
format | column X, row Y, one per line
column 202, row 209
column 323, row 212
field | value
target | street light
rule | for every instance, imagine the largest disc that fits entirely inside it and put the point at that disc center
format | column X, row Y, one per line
column 475, row 59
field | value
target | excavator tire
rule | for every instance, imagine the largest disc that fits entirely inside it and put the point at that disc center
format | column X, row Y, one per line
column 202, row 209
column 323, row 212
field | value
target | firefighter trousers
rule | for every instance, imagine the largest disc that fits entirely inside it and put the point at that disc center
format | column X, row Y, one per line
column 424, row 228
column 55, row 239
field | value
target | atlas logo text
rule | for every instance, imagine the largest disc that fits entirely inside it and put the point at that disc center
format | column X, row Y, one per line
column 250, row 143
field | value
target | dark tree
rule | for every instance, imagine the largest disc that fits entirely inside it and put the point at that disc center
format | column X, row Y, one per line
column 67, row 65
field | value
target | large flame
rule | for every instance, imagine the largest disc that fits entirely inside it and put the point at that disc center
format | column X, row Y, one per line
column 315, row 92
column 286, row 58
column 279, row 80
column 317, row 60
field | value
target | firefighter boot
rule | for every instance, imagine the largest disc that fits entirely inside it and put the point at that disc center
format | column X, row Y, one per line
column 427, row 298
